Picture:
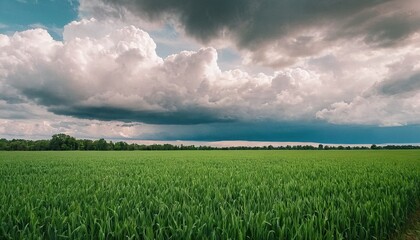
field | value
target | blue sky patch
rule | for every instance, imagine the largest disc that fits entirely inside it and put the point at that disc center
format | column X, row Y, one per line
column 53, row 15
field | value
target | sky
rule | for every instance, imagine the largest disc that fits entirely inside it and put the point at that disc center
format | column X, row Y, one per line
column 211, row 70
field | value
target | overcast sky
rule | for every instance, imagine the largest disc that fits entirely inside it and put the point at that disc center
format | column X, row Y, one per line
column 210, row 70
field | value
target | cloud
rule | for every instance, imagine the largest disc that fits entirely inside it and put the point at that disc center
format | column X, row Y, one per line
column 392, row 102
column 332, row 69
column 107, row 71
column 374, row 110
column 276, row 33
column 91, row 129
column 115, row 74
column 181, row 117
column 407, row 85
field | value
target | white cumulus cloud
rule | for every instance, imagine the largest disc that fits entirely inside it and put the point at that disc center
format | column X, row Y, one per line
column 107, row 71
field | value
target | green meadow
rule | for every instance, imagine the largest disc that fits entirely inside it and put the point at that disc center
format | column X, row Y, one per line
column 208, row 194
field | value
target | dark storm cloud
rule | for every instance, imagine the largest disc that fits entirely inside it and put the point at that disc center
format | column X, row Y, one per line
column 389, row 31
column 12, row 99
column 46, row 97
column 383, row 26
column 255, row 22
column 180, row 117
column 405, row 85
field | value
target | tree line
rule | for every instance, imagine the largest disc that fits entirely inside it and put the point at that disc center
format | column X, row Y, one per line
column 63, row 142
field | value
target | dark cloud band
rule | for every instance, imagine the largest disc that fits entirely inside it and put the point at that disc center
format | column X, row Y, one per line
column 180, row 117
column 253, row 23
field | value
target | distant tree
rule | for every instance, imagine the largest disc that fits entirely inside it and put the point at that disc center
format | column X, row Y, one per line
column 118, row 146
column 62, row 141
column 111, row 146
column 86, row 144
column 101, row 144
column 65, row 142
column 40, row 145
column 4, row 144
column 18, row 145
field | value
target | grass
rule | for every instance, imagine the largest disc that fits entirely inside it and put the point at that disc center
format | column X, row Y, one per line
column 207, row 194
column 411, row 230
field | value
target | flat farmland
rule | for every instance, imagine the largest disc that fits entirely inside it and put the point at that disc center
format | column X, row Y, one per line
column 208, row 194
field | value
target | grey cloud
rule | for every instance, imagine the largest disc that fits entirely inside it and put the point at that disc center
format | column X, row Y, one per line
column 391, row 30
column 386, row 25
column 256, row 23
column 20, row 110
column 46, row 96
column 11, row 96
column 406, row 85
column 202, row 19
column 180, row 117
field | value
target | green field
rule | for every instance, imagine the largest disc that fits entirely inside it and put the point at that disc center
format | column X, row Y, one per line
column 207, row 194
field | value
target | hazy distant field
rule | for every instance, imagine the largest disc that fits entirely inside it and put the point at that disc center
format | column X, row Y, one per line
column 207, row 194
